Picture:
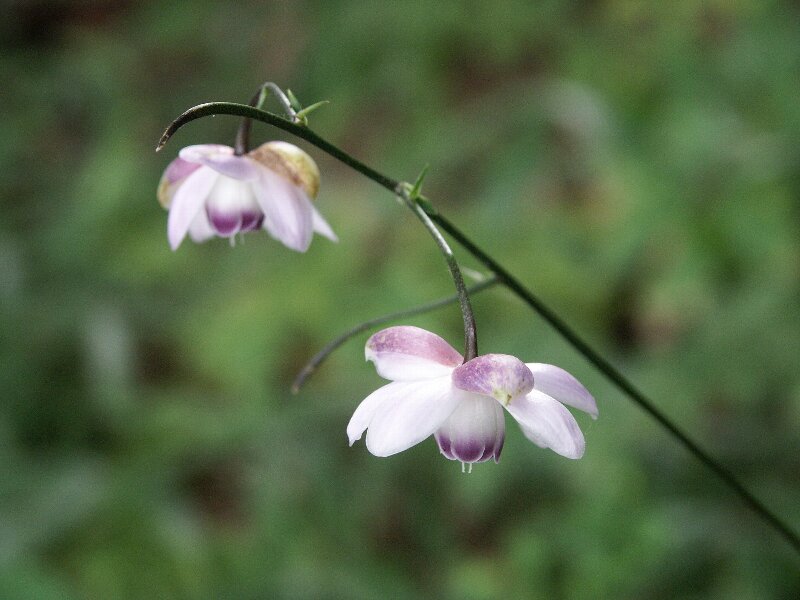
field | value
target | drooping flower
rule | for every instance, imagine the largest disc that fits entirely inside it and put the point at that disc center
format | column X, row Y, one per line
column 433, row 393
column 211, row 192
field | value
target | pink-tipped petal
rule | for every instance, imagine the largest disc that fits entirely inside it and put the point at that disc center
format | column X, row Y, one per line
column 474, row 432
column 557, row 383
column 179, row 169
column 548, row 424
column 321, row 226
column 287, row 210
column 222, row 160
column 406, row 353
column 500, row 376
column 174, row 174
column 251, row 221
column 187, row 202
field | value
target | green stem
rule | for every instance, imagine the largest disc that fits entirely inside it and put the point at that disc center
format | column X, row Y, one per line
column 213, row 108
column 470, row 328
column 242, row 144
column 313, row 364
column 242, row 110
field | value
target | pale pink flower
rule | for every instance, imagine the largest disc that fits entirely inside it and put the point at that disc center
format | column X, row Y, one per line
column 433, row 393
column 211, row 192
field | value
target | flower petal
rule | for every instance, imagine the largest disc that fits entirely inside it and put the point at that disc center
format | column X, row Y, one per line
column 230, row 203
column 557, row 383
column 500, row 376
column 200, row 230
column 187, row 202
column 547, row 423
column 409, row 413
column 287, row 210
column 474, row 432
column 406, row 353
column 321, row 226
column 222, row 160
column 366, row 410
column 174, row 174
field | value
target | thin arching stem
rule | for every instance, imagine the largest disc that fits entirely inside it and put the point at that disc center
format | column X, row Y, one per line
column 606, row 368
column 470, row 329
column 313, row 364
column 304, row 133
column 242, row 144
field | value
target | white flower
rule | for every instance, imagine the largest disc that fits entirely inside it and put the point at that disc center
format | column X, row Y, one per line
column 433, row 393
column 210, row 192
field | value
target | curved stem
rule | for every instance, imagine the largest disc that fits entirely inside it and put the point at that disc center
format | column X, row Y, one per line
column 242, row 144
column 512, row 284
column 242, row 110
column 313, row 364
column 470, row 329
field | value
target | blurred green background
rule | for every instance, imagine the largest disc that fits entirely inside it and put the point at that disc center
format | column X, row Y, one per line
column 636, row 164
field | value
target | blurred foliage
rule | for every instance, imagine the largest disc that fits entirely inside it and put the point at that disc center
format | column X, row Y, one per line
column 635, row 163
